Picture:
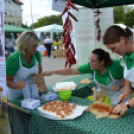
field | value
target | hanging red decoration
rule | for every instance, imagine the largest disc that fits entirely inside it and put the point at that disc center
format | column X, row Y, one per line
column 68, row 27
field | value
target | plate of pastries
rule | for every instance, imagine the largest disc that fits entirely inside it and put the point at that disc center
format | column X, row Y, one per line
column 61, row 110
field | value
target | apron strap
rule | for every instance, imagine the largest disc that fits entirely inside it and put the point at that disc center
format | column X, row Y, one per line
column 20, row 60
column 109, row 75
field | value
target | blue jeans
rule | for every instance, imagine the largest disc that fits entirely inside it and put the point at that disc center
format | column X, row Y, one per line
column 10, row 49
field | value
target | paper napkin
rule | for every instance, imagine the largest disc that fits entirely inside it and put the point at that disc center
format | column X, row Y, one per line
column 30, row 103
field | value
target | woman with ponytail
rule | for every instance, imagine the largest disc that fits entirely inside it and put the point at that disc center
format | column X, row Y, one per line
column 120, row 41
column 107, row 73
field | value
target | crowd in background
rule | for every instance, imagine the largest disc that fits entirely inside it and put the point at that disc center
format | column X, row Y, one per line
column 11, row 41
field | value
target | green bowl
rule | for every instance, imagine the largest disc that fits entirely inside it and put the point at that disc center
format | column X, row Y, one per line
column 65, row 95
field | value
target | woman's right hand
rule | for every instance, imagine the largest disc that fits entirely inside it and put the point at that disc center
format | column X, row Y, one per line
column 47, row 73
column 123, row 97
column 20, row 85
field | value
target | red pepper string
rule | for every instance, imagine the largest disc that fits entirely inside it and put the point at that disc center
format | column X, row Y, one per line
column 99, row 31
column 97, row 13
column 67, row 5
column 72, row 16
column 68, row 27
column 72, row 5
column 64, row 11
column 72, row 47
column 66, row 22
column 97, row 21
column 98, row 37
column 70, row 59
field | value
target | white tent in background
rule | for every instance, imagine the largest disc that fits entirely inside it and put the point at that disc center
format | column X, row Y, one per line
column 54, row 28
column 124, row 26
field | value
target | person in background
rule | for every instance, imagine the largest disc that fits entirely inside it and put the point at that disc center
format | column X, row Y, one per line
column 16, row 41
column 107, row 73
column 9, row 45
column 41, row 38
column 57, row 38
column 120, row 41
column 48, row 43
column 20, row 65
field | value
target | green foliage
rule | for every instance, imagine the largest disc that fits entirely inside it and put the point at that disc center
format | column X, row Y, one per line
column 48, row 20
column 124, row 15
column 130, row 19
column 24, row 26
column 119, row 14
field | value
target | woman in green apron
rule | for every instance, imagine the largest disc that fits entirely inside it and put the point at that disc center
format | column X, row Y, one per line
column 108, row 74
column 120, row 41
column 20, row 65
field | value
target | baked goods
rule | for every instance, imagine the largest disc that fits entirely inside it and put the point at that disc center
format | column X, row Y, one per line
column 85, row 81
column 102, row 110
column 60, row 108
column 65, row 86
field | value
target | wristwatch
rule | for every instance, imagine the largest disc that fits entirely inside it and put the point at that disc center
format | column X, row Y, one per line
column 128, row 106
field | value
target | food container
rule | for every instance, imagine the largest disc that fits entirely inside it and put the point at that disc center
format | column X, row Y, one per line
column 65, row 95
column 49, row 96
column 30, row 103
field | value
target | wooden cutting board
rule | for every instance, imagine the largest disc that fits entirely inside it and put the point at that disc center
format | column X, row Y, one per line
column 101, row 110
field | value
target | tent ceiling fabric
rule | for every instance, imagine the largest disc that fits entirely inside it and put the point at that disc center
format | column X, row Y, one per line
column 102, row 3
column 14, row 29
column 50, row 28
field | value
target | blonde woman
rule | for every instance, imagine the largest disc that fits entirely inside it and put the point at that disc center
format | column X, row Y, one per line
column 20, row 65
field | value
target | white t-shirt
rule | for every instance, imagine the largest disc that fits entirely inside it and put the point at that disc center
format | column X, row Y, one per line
column 16, row 41
column 9, row 42
column 47, row 41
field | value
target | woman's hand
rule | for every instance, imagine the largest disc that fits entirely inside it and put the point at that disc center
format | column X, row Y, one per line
column 47, row 73
column 123, row 97
column 120, row 109
column 20, row 85
column 116, row 88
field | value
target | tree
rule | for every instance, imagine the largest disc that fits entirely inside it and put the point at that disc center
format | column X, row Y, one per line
column 124, row 15
column 48, row 20
column 119, row 14
column 24, row 25
column 130, row 19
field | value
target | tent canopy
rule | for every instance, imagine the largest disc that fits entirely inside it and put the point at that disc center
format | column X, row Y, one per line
column 50, row 28
column 15, row 29
column 102, row 3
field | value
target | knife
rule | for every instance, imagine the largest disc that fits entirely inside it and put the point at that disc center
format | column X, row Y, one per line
column 113, row 108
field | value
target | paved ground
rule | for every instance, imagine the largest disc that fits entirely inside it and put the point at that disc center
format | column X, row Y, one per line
column 53, row 64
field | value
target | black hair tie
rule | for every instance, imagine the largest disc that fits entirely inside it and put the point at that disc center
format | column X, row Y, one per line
column 106, row 54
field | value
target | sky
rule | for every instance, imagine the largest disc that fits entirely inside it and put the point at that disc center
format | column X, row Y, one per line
column 40, row 9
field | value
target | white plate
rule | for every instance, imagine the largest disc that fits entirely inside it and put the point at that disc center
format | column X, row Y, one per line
column 78, row 111
column 54, row 87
